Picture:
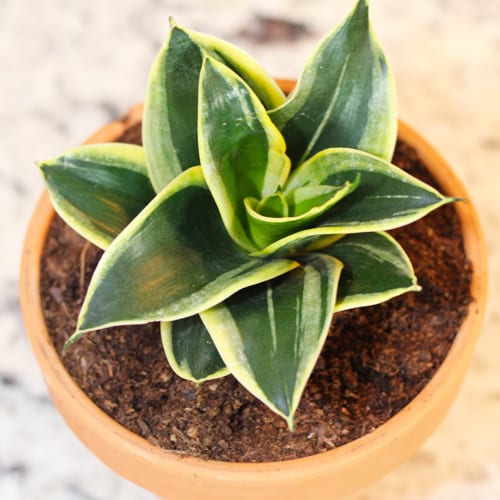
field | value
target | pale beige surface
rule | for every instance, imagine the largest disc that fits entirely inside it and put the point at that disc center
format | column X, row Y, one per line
column 68, row 67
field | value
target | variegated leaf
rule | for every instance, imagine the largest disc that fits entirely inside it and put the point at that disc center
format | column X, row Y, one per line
column 345, row 96
column 270, row 335
column 242, row 153
column 273, row 206
column 385, row 198
column 265, row 229
column 170, row 108
column 376, row 269
column 244, row 65
column 98, row 189
column 172, row 261
column 190, row 350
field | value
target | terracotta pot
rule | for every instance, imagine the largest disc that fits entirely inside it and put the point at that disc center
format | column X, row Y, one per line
column 324, row 476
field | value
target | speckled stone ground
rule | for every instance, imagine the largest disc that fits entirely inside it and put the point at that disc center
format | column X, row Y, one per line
column 68, row 67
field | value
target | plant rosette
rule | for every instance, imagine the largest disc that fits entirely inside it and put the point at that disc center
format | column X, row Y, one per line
column 245, row 221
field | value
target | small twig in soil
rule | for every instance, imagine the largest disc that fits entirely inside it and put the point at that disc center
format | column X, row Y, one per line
column 83, row 260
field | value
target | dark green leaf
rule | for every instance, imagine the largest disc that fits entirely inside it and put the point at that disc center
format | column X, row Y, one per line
column 170, row 109
column 171, row 104
column 98, row 189
column 345, row 96
column 172, row 261
column 190, row 351
column 242, row 153
column 386, row 197
column 270, row 335
column 376, row 269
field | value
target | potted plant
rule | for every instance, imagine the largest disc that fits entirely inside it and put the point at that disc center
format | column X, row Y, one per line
column 243, row 224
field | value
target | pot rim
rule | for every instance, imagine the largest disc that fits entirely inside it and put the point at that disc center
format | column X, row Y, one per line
column 343, row 457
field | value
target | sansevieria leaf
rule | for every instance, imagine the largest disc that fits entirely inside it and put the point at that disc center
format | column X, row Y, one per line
column 376, row 269
column 171, row 104
column 242, row 153
column 265, row 229
column 98, row 189
column 170, row 109
column 190, row 350
column 386, row 196
column 244, row 65
column 345, row 96
column 156, row 270
column 270, row 335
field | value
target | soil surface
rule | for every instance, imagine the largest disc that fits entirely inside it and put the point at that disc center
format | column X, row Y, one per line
column 375, row 360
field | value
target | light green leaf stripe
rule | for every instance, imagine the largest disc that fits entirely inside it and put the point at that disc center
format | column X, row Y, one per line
column 376, row 269
column 246, row 66
column 98, row 189
column 242, row 153
column 172, row 261
column 265, row 230
column 270, row 335
column 345, row 96
column 190, row 351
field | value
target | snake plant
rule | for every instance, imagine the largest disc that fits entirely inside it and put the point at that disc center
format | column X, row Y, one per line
column 248, row 218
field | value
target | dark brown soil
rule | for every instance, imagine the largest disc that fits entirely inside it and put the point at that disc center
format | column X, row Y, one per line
column 375, row 360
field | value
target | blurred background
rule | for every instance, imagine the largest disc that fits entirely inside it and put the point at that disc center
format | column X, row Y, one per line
column 69, row 66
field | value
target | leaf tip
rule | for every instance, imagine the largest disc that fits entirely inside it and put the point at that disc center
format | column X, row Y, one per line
column 361, row 11
column 81, row 330
column 363, row 4
column 76, row 335
column 42, row 165
column 209, row 61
